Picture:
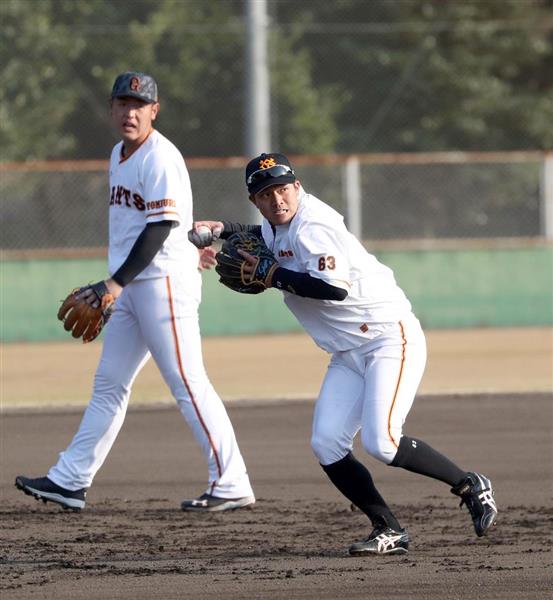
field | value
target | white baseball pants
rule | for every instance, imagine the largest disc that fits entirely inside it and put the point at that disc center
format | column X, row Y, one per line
column 159, row 318
column 370, row 388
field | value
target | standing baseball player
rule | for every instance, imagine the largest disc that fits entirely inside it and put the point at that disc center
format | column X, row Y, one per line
column 352, row 307
column 156, row 281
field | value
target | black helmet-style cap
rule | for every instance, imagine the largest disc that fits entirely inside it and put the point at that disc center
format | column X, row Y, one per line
column 268, row 169
column 135, row 85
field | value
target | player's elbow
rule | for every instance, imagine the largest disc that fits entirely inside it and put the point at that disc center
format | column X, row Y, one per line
column 338, row 294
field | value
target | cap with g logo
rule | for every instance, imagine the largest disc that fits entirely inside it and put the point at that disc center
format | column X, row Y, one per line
column 266, row 170
column 135, row 85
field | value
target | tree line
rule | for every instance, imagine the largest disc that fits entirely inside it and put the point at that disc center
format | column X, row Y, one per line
column 346, row 76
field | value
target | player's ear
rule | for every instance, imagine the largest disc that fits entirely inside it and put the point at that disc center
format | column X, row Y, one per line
column 155, row 110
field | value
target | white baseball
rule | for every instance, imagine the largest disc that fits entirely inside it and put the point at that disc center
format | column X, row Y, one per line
column 204, row 233
column 201, row 237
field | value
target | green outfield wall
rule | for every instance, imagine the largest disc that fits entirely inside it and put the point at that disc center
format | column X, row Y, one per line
column 448, row 289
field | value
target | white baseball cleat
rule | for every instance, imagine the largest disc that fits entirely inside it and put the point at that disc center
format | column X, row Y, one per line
column 209, row 503
column 382, row 540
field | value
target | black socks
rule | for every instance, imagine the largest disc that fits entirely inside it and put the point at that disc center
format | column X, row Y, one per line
column 417, row 456
column 355, row 482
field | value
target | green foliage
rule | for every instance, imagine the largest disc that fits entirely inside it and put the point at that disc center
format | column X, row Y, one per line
column 433, row 75
column 305, row 114
column 346, row 75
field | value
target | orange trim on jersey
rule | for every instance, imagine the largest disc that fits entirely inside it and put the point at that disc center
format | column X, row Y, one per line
column 181, row 371
column 122, row 158
column 397, row 385
column 163, row 212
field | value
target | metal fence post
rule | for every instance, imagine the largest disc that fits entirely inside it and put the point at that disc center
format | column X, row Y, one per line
column 258, row 103
column 546, row 197
column 352, row 193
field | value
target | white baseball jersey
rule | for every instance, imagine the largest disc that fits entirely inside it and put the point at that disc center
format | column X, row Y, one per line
column 317, row 242
column 152, row 184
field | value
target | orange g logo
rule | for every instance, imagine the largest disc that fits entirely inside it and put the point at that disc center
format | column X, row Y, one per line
column 267, row 163
column 135, row 84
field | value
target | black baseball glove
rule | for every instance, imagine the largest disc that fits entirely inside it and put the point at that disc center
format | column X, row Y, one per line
column 230, row 265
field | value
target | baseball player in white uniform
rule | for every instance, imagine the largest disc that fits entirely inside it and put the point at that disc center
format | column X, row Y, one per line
column 352, row 307
column 155, row 278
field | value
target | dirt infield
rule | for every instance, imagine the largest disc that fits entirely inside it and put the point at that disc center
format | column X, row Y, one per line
column 133, row 542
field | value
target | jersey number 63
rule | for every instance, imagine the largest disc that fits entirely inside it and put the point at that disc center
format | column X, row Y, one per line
column 327, row 262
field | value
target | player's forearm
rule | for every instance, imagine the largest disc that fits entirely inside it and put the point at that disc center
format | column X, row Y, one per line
column 146, row 246
column 302, row 284
column 230, row 228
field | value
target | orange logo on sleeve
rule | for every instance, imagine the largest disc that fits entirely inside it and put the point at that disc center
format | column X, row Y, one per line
column 135, row 84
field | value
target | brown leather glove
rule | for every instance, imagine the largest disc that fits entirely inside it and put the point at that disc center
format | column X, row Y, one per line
column 86, row 318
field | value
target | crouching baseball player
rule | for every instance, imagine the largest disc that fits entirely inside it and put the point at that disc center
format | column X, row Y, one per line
column 352, row 307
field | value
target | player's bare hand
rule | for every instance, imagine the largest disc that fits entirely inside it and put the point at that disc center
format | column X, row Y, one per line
column 206, row 258
column 204, row 233
column 215, row 226
column 113, row 287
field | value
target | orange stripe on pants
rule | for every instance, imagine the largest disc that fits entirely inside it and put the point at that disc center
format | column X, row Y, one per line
column 404, row 344
column 181, row 371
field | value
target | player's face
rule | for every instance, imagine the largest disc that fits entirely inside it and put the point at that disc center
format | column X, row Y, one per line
column 278, row 203
column 132, row 118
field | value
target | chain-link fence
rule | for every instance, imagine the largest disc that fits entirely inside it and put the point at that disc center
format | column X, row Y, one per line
column 64, row 205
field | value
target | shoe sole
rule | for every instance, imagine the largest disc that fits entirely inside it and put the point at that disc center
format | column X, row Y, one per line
column 67, row 503
column 395, row 551
column 228, row 505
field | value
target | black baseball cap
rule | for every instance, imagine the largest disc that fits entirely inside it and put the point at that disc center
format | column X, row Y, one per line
column 268, row 169
column 135, row 85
